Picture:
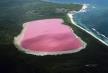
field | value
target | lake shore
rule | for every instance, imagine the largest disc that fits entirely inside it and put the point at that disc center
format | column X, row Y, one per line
column 18, row 39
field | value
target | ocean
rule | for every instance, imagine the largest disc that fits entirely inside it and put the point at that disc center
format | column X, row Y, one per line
column 95, row 19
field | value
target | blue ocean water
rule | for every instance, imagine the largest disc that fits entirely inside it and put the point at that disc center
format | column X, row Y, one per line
column 95, row 19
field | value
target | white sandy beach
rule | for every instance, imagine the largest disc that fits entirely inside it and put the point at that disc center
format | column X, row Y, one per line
column 71, row 16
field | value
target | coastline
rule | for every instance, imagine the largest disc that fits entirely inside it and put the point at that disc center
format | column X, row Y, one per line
column 71, row 17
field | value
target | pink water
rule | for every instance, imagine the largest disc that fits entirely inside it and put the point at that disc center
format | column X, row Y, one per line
column 49, row 35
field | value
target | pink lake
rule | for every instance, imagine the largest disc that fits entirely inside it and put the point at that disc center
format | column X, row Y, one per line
column 48, row 37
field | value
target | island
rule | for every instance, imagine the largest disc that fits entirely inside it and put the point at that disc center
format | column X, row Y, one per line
column 15, row 13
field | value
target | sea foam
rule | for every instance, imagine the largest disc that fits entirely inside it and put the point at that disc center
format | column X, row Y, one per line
column 84, row 9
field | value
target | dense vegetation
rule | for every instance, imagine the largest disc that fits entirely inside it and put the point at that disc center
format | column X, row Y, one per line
column 15, row 13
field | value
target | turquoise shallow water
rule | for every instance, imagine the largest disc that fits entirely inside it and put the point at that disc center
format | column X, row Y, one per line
column 95, row 19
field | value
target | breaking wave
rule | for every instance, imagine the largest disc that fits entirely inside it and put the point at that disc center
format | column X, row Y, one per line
column 92, row 31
